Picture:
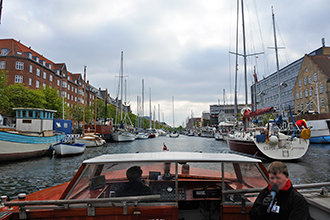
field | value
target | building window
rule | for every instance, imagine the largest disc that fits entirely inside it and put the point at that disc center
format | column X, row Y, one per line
column 58, row 82
column 51, row 78
column 50, row 66
column 315, row 77
column 37, row 84
column 19, row 65
column 297, row 95
column 305, row 81
column 44, row 85
column 299, row 82
column 30, row 81
column 75, row 98
column 302, row 106
column 321, row 88
column 306, row 93
column 45, row 75
column 3, row 52
column 309, row 79
column 31, row 68
column 301, row 94
column 64, row 84
column 68, row 96
column 38, row 72
column 316, row 90
column 306, row 70
column 322, row 103
column 3, row 65
column 58, row 72
column 72, row 88
column 68, row 78
column 68, row 87
column 311, row 105
column 307, row 105
column 75, row 90
column 310, row 92
column 18, row 79
column 37, row 59
column 298, row 107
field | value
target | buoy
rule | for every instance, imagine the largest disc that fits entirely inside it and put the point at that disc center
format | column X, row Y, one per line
column 165, row 148
column 273, row 140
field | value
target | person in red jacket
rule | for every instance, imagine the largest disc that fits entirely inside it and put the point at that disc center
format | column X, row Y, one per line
column 287, row 203
column 301, row 123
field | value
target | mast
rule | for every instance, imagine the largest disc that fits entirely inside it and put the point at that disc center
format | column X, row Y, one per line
column 150, row 106
column 121, row 86
column 277, row 63
column 173, row 109
column 236, row 63
column 84, row 99
column 142, row 101
column 244, row 55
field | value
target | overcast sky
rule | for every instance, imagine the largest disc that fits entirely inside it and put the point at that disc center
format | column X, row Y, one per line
column 179, row 47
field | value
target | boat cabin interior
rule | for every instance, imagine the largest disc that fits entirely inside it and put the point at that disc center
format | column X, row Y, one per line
column 164, row 185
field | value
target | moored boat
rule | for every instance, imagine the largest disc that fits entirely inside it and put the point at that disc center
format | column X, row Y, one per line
column 91, row 140
column 174, row 134
column 68, row 148
column 33, row 136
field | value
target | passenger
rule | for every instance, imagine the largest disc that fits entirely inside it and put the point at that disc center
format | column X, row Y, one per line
column 287, row 204
column 134, row 187
column 301, row 123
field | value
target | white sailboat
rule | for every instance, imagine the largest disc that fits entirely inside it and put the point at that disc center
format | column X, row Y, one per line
column 173, row 134
column 120, row 133
column 265, row 142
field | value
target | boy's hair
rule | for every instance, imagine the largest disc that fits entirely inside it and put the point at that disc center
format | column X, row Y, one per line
column 134, row 173
column 278, row 167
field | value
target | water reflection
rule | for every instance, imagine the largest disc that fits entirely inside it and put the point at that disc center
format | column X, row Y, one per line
column 33, row 175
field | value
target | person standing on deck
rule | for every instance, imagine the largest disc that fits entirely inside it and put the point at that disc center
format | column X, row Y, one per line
column 285, row 204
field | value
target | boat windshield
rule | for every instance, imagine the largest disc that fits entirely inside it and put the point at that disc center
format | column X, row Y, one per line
column 104, row 180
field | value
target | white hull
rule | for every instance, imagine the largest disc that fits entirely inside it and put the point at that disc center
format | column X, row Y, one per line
column 63, row 149
column 174, row 135
column 218, row 136
column 142, row 136
column 280, row 147
column 91, row 141
column 121, row 136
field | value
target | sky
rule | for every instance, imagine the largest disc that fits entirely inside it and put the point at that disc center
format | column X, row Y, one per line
column 180, row 48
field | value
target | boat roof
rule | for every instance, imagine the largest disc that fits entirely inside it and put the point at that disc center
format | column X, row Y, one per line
column 171, row 156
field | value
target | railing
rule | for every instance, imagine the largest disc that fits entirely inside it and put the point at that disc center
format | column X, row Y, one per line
column 90, row 204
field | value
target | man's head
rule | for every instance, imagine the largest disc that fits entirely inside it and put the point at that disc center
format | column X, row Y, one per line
column 134, row 173
column 278, row 174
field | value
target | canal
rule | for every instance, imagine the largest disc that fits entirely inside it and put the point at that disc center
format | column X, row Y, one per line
column 36, row 174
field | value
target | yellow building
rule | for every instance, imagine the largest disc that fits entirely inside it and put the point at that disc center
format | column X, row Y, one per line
column 311, row 89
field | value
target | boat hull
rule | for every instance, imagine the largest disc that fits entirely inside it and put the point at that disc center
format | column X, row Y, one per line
column 119, row 136
column 64, row 149
column 14, row 146
column 284, row 149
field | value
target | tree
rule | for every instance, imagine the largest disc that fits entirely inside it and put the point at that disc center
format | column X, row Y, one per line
column 52, row 100
column 4, row 99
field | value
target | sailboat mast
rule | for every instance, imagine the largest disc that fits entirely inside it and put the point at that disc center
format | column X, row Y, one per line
column 236, row 55
column 244, row 55
column 150, row 106
column 277, row 63
column 84, row 98
column 121, row 86
column 173, row 109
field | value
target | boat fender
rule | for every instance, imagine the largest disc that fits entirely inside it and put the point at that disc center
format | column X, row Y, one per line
column 306, row 134
column 273, row 140
column 51, row 148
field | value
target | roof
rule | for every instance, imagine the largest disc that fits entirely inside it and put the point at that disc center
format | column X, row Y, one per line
column 166, row 156
column 323, row 63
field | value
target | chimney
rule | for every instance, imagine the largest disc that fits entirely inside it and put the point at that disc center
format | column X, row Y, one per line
column 323, row 42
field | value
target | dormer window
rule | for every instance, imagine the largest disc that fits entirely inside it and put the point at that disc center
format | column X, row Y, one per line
column 44, row 63
column 37, row 59
column 68, row 77
column 19, row 53
column 49, row 65
column 57, row 72
column 4, row 51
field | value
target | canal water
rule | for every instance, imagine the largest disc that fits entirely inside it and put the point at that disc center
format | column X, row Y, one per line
column 36, row 174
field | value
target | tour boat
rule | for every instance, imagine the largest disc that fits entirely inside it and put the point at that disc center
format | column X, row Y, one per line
column 182, row 185
column 68, row 148
column 32, row 137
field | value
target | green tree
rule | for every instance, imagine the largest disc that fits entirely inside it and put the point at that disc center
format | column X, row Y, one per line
column 52, row 100
column 4, row 99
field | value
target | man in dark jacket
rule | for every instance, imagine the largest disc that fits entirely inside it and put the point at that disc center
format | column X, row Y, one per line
column 288, row 204
column 134, row 186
